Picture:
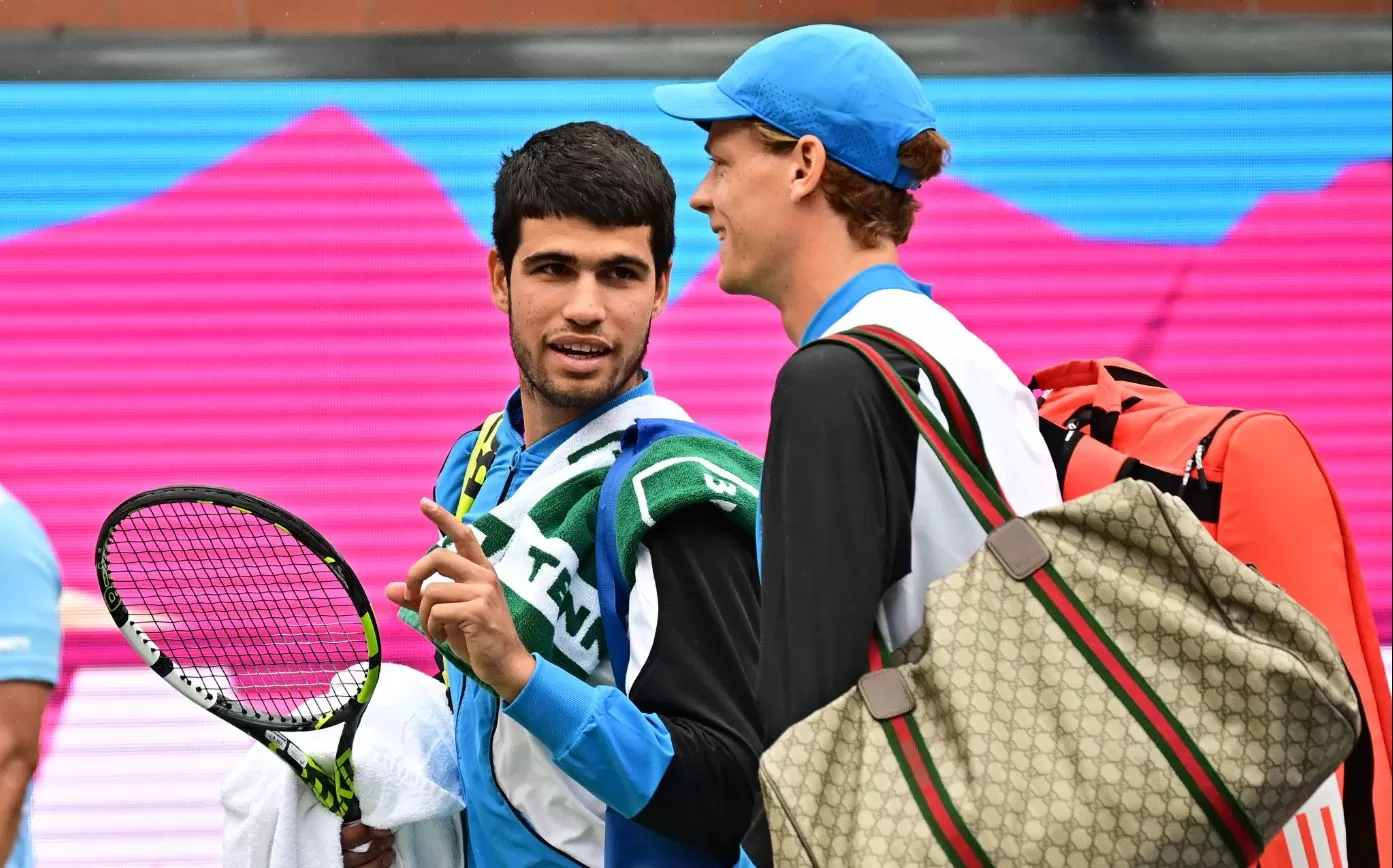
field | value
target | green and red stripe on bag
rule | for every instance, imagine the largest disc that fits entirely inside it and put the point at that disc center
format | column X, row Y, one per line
column 1101, row 684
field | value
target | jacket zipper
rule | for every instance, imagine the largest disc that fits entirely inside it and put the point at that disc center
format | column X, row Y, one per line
column 512, row 470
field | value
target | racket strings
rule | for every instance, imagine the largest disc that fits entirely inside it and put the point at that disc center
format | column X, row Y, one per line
column 241, row 606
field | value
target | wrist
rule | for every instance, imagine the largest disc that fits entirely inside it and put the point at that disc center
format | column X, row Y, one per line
column 515, row 675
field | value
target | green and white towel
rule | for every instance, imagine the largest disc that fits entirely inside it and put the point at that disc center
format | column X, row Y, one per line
column 541, row 541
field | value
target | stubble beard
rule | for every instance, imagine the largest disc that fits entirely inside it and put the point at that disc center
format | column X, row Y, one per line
column 534, row 381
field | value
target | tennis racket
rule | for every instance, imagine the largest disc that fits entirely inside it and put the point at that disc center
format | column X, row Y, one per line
column 251, row 614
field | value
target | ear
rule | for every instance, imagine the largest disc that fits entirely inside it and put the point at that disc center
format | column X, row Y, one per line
column 664, row 282
column 809, row 161
column 498, row 281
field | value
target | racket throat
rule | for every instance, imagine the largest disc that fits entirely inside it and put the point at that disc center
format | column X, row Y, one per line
column 277, row 741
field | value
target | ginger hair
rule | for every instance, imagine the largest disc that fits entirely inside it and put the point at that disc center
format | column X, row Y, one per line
column 873, row 211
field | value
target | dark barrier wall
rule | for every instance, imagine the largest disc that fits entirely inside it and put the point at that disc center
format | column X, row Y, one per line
column 371, row 16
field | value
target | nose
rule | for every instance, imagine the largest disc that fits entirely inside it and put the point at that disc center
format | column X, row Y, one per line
column 701, row 199
column 585, row 303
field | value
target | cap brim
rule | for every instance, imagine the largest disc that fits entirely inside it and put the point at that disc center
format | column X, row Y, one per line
column 702, row 102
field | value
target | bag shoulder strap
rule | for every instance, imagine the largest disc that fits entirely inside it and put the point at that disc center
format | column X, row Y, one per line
column 480, row 459
column 959, row 449
column 902, row 731
column 962, row 423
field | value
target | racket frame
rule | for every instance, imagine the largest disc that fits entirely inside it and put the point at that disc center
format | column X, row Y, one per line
column 333, row 787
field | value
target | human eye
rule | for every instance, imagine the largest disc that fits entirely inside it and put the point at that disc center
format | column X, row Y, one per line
column 621, row 274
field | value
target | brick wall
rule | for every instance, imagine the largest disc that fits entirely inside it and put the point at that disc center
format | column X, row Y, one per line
column 367, row 16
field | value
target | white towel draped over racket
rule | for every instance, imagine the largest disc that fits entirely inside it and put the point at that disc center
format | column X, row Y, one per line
column 406, row 773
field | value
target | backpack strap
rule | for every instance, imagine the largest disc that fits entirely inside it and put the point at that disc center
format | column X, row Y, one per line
column 1361, row 829
column 623, row 836
column 611, row 586
column 1025, row 557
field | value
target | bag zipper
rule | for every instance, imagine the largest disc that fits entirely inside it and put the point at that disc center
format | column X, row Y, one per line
column 1196, row 461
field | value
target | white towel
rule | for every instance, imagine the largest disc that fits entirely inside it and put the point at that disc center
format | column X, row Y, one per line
column 405, row 769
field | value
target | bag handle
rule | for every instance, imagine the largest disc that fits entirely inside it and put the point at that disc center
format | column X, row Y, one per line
column 1088, row 373
column 1112, row 380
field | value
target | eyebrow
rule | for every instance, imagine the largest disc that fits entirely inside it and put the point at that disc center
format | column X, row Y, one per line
column 546, row 256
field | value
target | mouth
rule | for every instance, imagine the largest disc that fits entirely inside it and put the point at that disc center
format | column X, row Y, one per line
column 720, row 232
column 580, row 354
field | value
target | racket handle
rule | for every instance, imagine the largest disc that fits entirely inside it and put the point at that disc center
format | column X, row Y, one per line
column 361, row 848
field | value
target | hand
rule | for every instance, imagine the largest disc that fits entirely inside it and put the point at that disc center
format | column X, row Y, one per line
column 469, row 611
column 379, row 853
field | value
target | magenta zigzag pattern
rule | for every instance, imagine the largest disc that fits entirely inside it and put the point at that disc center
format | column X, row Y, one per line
column 309, row 321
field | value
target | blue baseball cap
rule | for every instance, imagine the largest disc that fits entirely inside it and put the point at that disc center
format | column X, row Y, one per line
column 840, row 84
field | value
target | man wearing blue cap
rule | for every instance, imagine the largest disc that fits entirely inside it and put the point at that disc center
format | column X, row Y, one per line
column 817, row 136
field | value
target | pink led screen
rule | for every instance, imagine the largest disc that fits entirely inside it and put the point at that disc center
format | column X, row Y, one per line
column 305, row 317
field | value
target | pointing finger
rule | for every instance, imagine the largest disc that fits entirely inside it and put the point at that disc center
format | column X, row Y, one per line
column 466, row 544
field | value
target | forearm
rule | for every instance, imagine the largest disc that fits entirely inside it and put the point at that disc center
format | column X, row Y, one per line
column 21, row 720
column 709, row 794
column 29, row 587
column 17, row 765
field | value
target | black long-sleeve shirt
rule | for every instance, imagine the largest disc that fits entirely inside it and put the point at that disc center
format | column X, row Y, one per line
column 700, row 679
column 836, row 503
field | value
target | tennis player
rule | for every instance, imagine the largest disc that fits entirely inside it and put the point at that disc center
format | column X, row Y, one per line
column 817, row 138
column 584, row 234
column 29, row 634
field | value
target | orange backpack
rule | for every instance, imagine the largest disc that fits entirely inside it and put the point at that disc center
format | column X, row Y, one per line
column 1255, row 482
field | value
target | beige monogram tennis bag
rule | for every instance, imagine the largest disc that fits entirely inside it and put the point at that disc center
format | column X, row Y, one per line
column 1100, row 685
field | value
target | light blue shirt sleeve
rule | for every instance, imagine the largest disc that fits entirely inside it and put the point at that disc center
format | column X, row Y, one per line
column 29, row 588
column 596, row 735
